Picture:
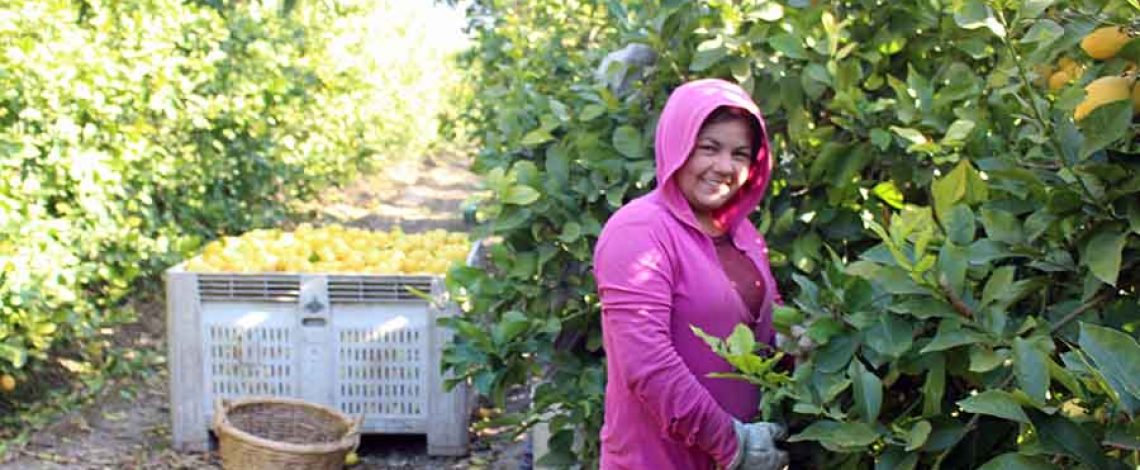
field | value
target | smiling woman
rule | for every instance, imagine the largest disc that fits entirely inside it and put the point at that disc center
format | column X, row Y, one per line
column 685, row 255
column 719, row 165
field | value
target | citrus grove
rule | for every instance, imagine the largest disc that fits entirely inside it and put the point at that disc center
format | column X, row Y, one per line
column 136, row 134
column 954, row 217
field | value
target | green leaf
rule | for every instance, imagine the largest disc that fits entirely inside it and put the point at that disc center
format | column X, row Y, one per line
column 537, row 137
column 913, row 136
column 868, row 391
column 805, row 250
column 987, row 250
column 784, row 317
column 951, row 335
column 1124, row 435
column 836, row 435
column 947, row 433
column 1117, row 357
column 716, row 344
column 998, row 284
column 511, row 325
column 925, row 308
column 1031, row 368
column 889, row 193
column 483, row 382
column 627, row 140
column 1002, row 226
column 974, row 14
column 953, row 261
column 1043, row 32
column 708, row 54
column 1134, row 215
column 962, row 184
column 520, row 195
column 894, row 458
column 815, row 80
column 558, row 164
column 995, row 403
column 835, row 355
column 591, row 111
column 1014, row 461
column 1067, row 378
column 935, row 386
column 1038, row 222
column 959, row 225
column 892, row 279
column 1102, row 254
column 789, row 45
column 1034, row 8
column 985, row 359
column 741, row 341
column 1131, row 49
column 917, row 436
column 1061, row 433
column 570, row 232
column 766, row 11
column 829, row 385
column 1105, row 125
column 958, row 131
column 890, row 335
column 16, row 356
column 880, row 138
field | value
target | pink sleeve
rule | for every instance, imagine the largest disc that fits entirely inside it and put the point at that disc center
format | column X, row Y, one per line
column 635, row 284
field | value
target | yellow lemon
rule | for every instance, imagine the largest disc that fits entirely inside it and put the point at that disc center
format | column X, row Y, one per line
column 1101, row 91
column 7, row 383
column 1059, row 79
column 1103, row 43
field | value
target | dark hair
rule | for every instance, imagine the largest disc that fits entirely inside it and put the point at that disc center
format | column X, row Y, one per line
column 732, row 113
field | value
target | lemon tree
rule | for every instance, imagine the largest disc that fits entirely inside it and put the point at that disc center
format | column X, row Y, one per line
column 960, row 246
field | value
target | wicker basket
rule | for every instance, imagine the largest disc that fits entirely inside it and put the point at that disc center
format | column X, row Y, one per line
column 282, row 433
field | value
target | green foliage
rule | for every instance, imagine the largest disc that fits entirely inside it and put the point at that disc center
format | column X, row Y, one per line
column 941, row 219
column 131, row 132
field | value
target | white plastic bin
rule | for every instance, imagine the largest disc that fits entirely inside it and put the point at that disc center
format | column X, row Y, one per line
column 363, row 344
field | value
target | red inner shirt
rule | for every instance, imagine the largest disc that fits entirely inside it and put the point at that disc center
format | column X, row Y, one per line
column 742, row 273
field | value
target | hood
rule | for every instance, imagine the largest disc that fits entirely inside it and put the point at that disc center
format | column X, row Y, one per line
column 687, row 108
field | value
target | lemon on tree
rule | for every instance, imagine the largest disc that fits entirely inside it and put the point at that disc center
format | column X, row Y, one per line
column 7, row 383
column 1104, row 42
column 1067, row 70
column 1102, row 91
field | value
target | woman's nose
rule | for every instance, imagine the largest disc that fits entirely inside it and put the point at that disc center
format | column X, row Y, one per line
column 724, row 163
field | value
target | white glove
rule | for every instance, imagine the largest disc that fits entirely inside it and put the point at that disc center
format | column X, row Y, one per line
column 756, row 449
column 798, row 344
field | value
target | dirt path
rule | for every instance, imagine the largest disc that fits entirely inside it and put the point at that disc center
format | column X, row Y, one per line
column 128, row 426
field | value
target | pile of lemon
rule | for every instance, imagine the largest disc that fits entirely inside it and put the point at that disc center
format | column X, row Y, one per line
column 333, row 249
column 1103, row 44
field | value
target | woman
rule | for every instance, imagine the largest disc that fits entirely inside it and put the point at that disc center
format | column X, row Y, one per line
column 685, row 254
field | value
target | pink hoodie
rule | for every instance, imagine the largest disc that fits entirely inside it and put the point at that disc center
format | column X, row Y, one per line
column 657, row 274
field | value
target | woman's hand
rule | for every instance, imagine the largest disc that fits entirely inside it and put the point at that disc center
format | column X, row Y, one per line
column 757, row 446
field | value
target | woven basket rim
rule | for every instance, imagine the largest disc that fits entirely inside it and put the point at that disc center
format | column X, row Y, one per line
column 223, row 426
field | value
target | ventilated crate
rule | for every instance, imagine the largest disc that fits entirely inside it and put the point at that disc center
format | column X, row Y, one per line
column 363, row 344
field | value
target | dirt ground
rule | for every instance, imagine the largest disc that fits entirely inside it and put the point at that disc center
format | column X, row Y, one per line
column 128, row 426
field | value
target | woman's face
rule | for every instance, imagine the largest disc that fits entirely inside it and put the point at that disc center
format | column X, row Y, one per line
column 718, row 166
